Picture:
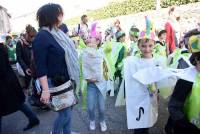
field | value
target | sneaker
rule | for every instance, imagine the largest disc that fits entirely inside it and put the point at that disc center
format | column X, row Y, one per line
column 103, row 126
column 92, row 125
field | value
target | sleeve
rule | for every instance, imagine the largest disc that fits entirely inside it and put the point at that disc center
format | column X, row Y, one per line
column 3, row 62
column 40, row 52
column 19, row 52
column 120, row 57
column 177, row 100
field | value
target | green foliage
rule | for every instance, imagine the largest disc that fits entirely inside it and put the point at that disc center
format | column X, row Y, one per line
column 126, row 7
column 167, row 3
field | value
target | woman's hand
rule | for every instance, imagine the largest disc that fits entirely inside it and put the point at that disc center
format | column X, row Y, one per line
column 45, row 96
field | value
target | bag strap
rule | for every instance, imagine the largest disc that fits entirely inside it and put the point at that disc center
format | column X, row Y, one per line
column 79, row 28
column 21, row 41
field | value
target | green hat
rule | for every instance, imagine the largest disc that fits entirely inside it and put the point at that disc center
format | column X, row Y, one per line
column 134, row 31
column 119, row 34
column 194, row 44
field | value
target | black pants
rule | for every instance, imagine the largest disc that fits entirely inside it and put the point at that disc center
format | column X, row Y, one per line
column 141, row 131
column 27, row 81
column 28, row 113
column 182, row 126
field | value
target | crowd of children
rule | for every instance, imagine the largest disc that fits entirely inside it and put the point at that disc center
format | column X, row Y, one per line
column 125, row 58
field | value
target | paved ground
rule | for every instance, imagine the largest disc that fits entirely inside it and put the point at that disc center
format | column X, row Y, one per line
column 116, row 120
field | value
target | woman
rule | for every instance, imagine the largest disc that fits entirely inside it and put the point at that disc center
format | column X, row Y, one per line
column 184, row 103
column 23, row 52
column 11, row 95
column 117, row 26
column 173, row 29
column 56, row 60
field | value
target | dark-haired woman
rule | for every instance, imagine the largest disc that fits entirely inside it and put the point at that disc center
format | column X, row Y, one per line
column 56, row 60
column 184, row 105
column 23, row 52
column 11, row 95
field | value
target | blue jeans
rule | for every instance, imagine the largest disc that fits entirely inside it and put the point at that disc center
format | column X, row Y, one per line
column 94, row 97
column 62, row 124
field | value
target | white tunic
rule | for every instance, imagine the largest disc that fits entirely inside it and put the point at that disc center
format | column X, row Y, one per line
column 142, row 109
column 93, row 67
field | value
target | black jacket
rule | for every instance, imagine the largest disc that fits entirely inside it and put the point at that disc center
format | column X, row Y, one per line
column 11, row 95
column 23, row 52
column 177, row 121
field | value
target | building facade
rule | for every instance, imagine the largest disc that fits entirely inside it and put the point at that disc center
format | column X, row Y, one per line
column 4, row 20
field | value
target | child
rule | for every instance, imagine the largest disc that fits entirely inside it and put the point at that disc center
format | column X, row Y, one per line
column 184, row 103
column 119, row 53
column 93, row 73
column 141, row 100
column 161, row 47
column 108, row 35
column 11, row 49
column 133, row 35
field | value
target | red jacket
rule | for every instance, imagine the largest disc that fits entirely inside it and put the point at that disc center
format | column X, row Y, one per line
column 170, row 37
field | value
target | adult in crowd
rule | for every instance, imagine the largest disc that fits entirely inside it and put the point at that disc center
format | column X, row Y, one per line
column 56, row 61
column 24, row 52
column 173, row 29
column 117, row 26
column 82, row 30
column 11, row 96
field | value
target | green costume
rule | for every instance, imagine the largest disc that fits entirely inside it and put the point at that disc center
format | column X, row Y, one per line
column 12, row 52
column 192, row 104
column 160, row 49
